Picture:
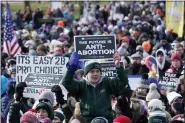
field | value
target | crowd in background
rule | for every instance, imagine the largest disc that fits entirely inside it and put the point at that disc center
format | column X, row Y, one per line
column 140, row 32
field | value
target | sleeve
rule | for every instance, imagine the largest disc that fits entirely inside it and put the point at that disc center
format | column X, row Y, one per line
column 4, row 103
column 72, row 85
column 115, row 85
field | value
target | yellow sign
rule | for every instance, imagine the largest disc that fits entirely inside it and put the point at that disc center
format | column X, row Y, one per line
column 175, row 16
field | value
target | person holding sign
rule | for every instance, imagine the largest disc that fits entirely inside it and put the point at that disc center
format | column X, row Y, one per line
column 176, row 65
column 95, row 91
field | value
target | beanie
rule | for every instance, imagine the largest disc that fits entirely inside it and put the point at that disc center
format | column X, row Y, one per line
column 47, row 120
column 144, row 83
column 153, row 93
column 28, row 117
column 47, row 107
column 122, row 119
column 99, row 120
column 47, row 95
column 176, row 56
column 146, row 45
column 155, row 103
column 90, row 66
column 157, row 116
column 58, row 112
column 153, row 80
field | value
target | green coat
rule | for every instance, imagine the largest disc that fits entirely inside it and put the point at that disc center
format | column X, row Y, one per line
column 96, row 101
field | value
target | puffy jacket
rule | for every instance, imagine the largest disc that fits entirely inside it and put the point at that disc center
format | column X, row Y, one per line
column 96, row 101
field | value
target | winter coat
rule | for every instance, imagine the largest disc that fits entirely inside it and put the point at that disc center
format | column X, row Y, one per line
column 96, row 100
column 16, row 111
column 173, row 70
column 137, row 107
column 4, row 103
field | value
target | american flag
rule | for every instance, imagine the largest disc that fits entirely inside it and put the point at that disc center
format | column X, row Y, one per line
column 10, row 45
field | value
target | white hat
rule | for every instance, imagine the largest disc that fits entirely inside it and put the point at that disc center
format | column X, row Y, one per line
column 155, row 103
column 172, row 96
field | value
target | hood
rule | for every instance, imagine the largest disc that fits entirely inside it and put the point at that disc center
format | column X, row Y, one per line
column 85, row 78
column 161, row 66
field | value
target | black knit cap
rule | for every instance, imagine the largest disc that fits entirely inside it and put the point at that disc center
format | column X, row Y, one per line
column 90, row 66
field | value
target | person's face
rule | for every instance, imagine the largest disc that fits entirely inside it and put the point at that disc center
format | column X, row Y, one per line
column 42, row 113
column 94, row 75
column 137, row 60
column 178, row 100
column 40, row 52
column 160, row 58
column 176, row 63
column 66, row 49
column 142, row 90
column 75, row 121
column 79, row 76
column 56, row 120
column 179, row 50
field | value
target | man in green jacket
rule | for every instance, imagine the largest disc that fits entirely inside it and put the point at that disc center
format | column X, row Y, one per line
column 95, row 91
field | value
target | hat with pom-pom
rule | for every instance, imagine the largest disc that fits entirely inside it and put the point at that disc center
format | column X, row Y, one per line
column 144, row 83
column 28, row 117
column 155, row 103
column 153, row 93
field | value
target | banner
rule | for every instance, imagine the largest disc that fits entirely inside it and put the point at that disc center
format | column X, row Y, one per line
column 95, row 46
column 175, row 16
column 42, row 80
column 168, row 80
column 39, row 65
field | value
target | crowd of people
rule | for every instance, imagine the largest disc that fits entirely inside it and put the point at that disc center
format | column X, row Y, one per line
column 140, row 32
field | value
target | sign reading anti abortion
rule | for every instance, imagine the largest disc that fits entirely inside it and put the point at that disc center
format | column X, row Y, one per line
column 42, row 80
column 95, row 46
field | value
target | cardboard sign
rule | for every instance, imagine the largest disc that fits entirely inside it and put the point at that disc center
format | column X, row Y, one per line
column 42, row 80
column 168, row 80
column 36, row 92
column 95, row 46
column 134, row 81
column 39, row 65
column 108, row 69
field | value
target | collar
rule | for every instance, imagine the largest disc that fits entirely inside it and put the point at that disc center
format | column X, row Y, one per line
column 89, row 83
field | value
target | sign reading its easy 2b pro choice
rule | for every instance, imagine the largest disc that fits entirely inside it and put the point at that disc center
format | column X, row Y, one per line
column 95, row 46
column 39, row 65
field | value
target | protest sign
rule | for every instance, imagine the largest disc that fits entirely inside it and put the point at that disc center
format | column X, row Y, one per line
column 39, row 65
column 42, row 80
column 36, row 92
column 134, row 81
column 108, row 69
column 168, row 80
column 95, row 46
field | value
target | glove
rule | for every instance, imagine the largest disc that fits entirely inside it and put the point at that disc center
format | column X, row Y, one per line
column 73, row 62
column 19, row 89
column 58, row 93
